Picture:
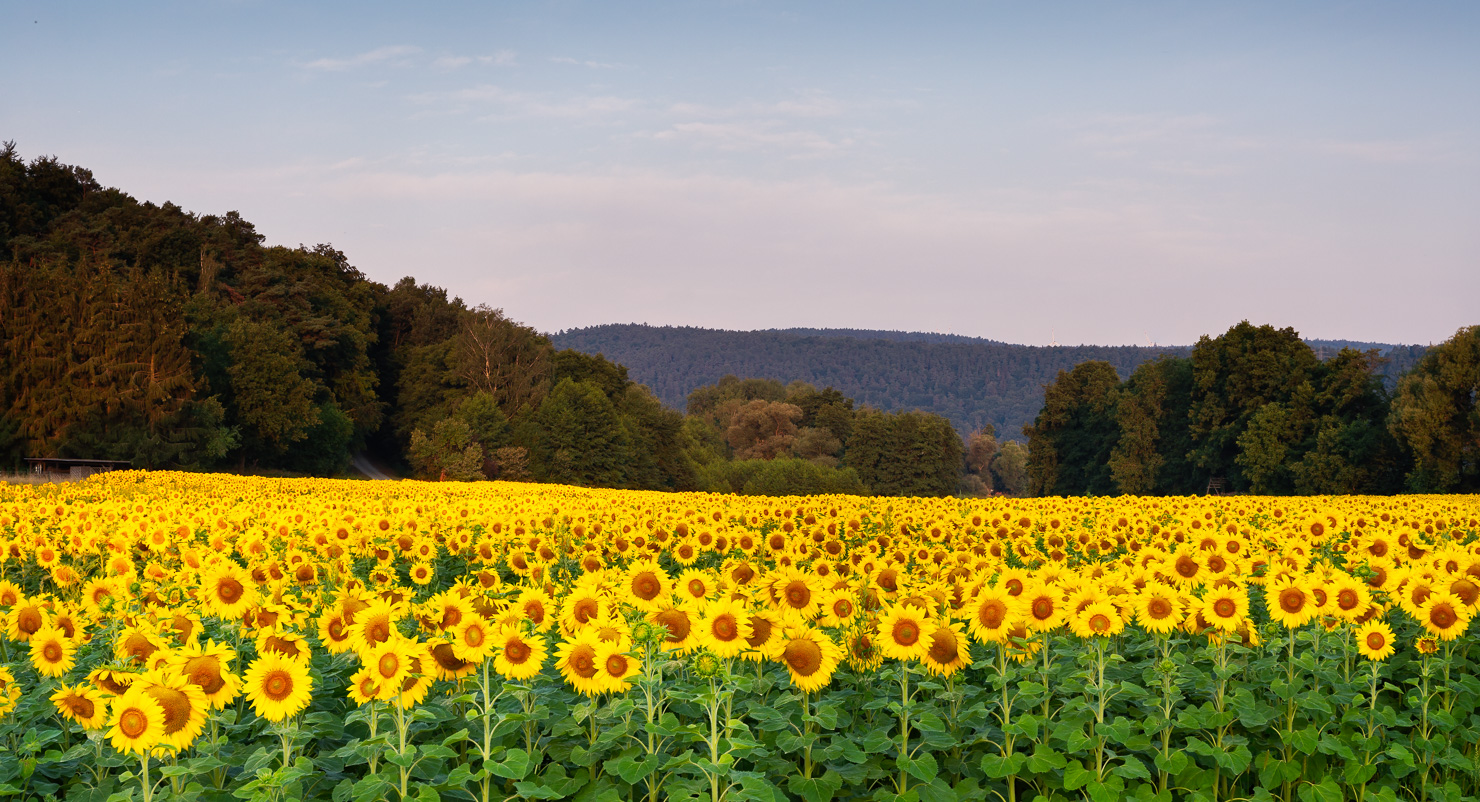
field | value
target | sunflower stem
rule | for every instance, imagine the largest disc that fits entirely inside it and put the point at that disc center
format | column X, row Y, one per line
column 146, row 787
column 904, row 723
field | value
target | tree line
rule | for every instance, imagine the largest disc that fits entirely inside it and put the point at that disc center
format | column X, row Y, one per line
column 973, row 382
column 174, row 340
column 1257, row 410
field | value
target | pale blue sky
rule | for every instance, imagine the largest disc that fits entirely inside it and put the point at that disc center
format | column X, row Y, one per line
column 1095, row 172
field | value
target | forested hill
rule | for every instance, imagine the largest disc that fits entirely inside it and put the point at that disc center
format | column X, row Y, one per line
column 972, row 382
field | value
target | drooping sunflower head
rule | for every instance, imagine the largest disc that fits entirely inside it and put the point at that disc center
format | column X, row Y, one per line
column 579, row 664
column 810, row 657
column 947, row 651
column 84, row 705
column 208, row 667
column 184, row 705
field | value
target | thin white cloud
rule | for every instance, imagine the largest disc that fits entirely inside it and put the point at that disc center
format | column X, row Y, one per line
column 804, row 105
column 595, row 65
column 376, row 56
column 510, row 103
column 502, row 58
column 739, row 136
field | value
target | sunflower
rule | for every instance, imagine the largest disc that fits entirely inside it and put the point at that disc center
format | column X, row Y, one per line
column 615, row 667
column 948, row 650
column 136, row 721
column 520, row 656
column 375, row 624
column 810, row 657
column 1444, row 615
column 390, row 663
column 902, row 631
column 363, row 687
column 228, row 590
column 765, row 636
column 1290, row 602
column 422, row 573
column 1426, row 644
column 725, row 628
column 794, row 595
column 679, row 632
column 446, row 664
column 696, row 585
column 863, row 651
column 473, row 640
column 1098, row 619
column 1225, row 608
column 52, row 653
column 991, row 614
column 109, row 681
column 84, row 705
column 183, row 703
column 278, row 687
column 1159, row 609
column 580, row 607
column 578, row 664
column 1043, row 607
column 1374, row 640
column 647, row 586
column 535, row 607
column 27, row 616
column 334, row 631
column 137, row 645
column 288, row 644
column 415, row 686
column 839, row 608
column 99, row 595
column 208, row 667
column 1349, row 597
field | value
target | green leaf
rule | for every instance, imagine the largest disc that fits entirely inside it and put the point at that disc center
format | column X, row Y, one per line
column 1045, row 759
column 1305, row 740
column 632, row 769
column 877, row 741
column 372, row 788
column 1173, row 763
column 923, row 767
column 816, row 789
column 1132, row 769
column 1325, row 791
column 514, row 765
column 997, row 766
column 428, row 794
column 1076, row 776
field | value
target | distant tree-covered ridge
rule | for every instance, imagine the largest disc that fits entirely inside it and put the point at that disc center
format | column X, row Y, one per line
column 972, row 382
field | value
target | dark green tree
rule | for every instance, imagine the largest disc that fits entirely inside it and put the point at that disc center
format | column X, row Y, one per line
column 581, row 440
column 1436, row 419
column 1071, row 441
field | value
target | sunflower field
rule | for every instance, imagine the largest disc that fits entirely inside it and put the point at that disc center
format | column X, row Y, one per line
column 169, row 636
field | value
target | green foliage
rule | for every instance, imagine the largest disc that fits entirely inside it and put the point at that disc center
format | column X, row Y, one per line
column 905, row 453
column 449, row 453
column 581, row 440
column 1254, row 406
column 1070, row 443
column 783, row 476
column 1436, row 417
